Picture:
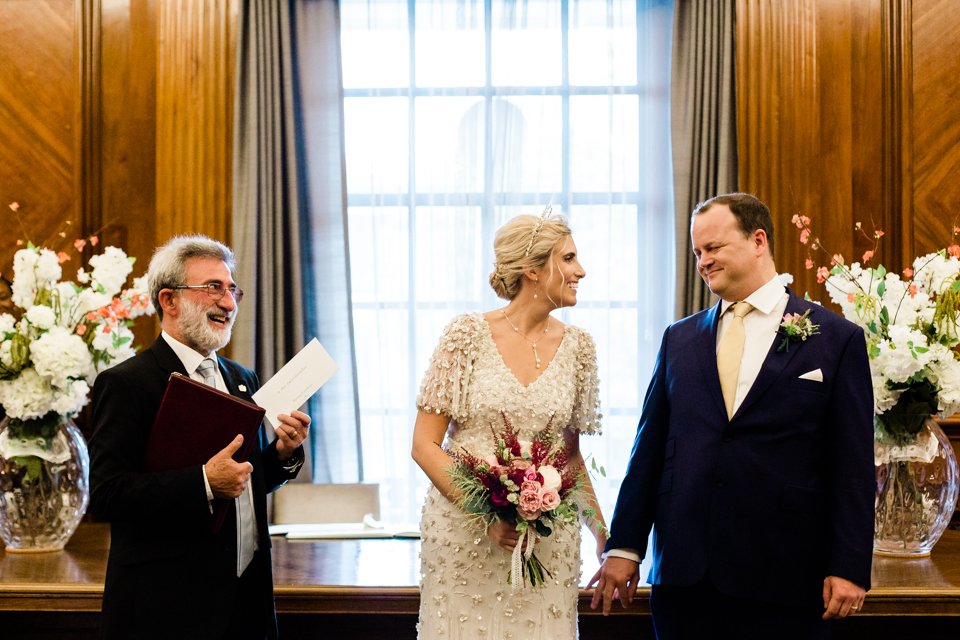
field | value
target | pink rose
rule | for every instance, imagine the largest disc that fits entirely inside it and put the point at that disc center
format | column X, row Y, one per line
column 533, row 475
column 529, row 500
column 549, row 499
column 531, row 487
column 528, row 515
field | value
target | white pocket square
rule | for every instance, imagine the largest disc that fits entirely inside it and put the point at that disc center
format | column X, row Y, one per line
column 816, row 375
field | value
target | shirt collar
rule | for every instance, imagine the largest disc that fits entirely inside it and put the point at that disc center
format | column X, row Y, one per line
column 191, row 359
column 764, row 299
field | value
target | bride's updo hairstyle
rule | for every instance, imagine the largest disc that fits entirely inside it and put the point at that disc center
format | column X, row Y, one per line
column 524, row 242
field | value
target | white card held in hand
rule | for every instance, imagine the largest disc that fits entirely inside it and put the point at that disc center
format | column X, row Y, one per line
column 299, row 379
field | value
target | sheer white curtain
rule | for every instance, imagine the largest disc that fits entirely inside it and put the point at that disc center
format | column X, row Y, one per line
column 460, row 114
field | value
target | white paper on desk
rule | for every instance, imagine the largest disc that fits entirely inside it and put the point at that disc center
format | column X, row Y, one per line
column 343, row 531
column 296, row 381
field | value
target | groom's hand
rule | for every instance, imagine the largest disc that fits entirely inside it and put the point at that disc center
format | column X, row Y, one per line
column 617, row 578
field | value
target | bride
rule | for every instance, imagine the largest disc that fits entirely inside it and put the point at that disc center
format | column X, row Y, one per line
column 542, row 374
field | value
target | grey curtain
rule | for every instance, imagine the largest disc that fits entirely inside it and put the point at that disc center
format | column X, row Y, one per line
column 703, row 127
column 280, row 245
column 338, row 451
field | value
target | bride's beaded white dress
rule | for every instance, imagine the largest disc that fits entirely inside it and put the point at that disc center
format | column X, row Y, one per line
column 464, row 592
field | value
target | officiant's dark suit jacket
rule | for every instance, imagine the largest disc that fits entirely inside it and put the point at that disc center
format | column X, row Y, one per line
column 168, row 576
column 770, row 502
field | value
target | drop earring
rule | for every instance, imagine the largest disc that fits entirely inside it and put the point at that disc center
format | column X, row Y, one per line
column 536, row 290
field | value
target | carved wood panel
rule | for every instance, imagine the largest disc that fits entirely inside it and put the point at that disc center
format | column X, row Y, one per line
column 194, row 124
column 39, row 118
column 935, row 123
column 816, row 89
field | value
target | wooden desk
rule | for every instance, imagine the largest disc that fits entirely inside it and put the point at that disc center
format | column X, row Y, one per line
column 372, row 583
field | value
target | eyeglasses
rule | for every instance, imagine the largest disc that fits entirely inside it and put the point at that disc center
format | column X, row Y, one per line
column 214, row 290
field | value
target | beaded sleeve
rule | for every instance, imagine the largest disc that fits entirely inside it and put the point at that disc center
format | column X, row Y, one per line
column 445, row 386
column 586, row 407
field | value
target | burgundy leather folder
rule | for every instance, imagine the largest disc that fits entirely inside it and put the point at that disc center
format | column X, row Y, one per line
column 196, row 421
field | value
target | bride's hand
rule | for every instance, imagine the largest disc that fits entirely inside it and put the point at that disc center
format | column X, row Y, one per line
column 504, row 534
column 601, row 543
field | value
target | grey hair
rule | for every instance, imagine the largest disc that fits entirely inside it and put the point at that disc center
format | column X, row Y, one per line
column 168, row 266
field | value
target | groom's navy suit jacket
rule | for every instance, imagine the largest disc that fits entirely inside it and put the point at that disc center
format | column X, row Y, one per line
column 773, row 500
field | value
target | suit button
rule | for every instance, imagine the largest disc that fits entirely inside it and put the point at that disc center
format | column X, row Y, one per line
column 720, row 484
column 726, row 437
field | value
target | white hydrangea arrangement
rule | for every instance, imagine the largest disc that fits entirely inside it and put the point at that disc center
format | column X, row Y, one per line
column 911, row 327
column 67, row 332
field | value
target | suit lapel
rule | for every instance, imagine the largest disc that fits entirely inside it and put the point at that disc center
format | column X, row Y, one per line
column 166, row 359
column 776, row 361
column 707, row 346
column 230, row 378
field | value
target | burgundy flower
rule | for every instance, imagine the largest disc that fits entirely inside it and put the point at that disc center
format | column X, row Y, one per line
column 498, row 496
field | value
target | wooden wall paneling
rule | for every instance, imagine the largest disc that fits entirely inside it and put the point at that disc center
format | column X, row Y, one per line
column 935, row 122
column 127, row 92
column 838, row 51
column 88, row 173
column 898, row 128
column 38, row 117
column 778, row 118
column 814, row 127
column 194, row 132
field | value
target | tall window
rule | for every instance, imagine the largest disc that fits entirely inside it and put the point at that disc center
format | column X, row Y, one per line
column 463, row 113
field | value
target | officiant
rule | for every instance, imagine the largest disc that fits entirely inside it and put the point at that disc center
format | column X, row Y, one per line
column 171, row 573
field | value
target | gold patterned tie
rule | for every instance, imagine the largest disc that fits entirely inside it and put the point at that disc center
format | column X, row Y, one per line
column 729, row 353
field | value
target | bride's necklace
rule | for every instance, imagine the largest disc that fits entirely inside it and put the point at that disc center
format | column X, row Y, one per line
column 533, row 343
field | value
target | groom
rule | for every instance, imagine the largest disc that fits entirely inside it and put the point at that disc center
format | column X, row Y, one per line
column 753, row 461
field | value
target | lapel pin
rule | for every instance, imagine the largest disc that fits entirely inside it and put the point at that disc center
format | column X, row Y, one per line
column 242, row 388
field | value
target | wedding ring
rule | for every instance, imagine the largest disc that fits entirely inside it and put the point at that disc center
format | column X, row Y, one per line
column 854, row 608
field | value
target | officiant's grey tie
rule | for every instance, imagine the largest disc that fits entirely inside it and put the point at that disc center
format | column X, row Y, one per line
column 730, row 352
column 246, row 522
column 206, row 370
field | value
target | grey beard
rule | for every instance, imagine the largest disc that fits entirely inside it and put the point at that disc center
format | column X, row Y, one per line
column 195, row 328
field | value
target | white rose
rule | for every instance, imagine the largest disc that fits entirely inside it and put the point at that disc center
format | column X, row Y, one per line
column 24, row 288
column 72, row 398
column 110, row 269
column 6, row 356
column 7, row 323
column 61, row 356
column 26, row 396
column 48, row 268
column 41, row 316
column 551, row 477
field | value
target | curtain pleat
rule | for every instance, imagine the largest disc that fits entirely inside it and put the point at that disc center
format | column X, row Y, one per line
column 703, row 127
column 280, row 237
column 338, row 450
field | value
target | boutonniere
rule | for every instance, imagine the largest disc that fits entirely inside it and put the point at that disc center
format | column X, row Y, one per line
column 795, row 328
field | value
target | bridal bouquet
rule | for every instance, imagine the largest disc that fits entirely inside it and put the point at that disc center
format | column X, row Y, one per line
column 911, row 326
column 530, row 484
